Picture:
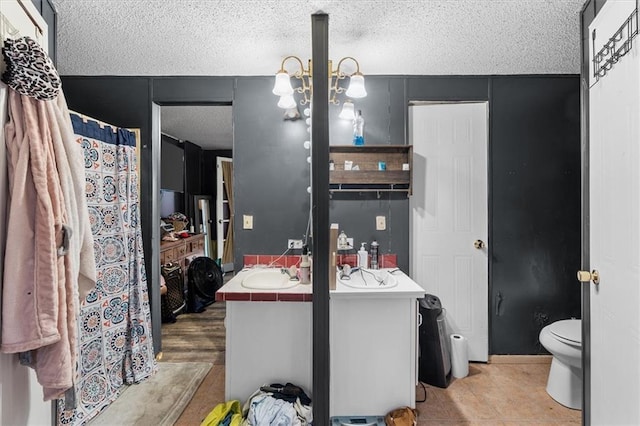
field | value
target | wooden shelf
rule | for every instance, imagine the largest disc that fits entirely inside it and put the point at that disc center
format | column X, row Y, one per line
column 368, row 177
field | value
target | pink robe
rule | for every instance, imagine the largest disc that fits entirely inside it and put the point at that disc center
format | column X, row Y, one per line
column 39, row 301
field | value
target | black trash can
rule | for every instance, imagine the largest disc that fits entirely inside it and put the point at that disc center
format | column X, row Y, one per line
column 434, row 360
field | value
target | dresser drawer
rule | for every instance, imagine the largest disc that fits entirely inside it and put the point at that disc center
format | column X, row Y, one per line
column 167, row 256
column 181, row 250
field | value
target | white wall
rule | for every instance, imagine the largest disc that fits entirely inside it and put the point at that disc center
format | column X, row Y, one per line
column 20, row 395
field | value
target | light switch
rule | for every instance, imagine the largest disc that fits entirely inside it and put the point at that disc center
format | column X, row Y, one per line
column 381, row 223
column 247, row 221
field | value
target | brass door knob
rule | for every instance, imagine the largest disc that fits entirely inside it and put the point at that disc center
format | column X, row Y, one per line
column 479, row 244
column 586, row 276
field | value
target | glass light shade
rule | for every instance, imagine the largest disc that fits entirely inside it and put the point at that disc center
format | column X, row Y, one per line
column 287, row 102
column 282, row 86
column 348, row 111
column 356, row 87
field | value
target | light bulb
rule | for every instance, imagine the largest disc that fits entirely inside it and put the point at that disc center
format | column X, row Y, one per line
column 307, row 144
column 308, row 121
column 309, row 160
column 307, row 112
column 309, row 189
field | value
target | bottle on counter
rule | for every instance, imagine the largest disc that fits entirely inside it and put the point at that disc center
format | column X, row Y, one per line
column 358, row 129
column 343, row 243
column 374, row 254
column 363, row 257
column 305, row 266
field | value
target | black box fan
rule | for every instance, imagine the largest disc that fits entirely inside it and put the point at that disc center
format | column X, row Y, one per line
column 204, row 279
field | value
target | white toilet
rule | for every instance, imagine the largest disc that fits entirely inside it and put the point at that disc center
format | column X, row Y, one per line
column 564, row 340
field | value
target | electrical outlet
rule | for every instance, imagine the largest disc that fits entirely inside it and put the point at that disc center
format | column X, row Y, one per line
column 381, row 223
column 294, row 244
column 247, row 221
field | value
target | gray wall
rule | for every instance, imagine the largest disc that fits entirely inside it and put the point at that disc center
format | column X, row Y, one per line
column 533, row 175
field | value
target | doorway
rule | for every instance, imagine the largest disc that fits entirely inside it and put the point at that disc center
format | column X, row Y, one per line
column 192, row 138
column 449, row 214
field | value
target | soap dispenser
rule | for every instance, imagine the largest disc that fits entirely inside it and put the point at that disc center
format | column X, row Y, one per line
column 363, row 257
column 305, row 266
column 374, row 254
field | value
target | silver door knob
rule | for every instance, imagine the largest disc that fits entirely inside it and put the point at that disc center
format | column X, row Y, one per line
column 479, row 244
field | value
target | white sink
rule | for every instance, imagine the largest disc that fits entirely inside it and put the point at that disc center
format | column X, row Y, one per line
column 268, row 279
column 370, row 279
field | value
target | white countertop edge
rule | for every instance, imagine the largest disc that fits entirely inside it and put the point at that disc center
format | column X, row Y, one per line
column 406, row 288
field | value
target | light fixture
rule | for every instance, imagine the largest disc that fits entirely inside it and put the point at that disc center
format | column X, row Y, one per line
column 348, row 111
column 287, row 102
column 292, row 113
column 285, row 90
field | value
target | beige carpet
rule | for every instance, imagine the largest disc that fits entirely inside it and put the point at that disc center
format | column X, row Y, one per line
column 157, row 401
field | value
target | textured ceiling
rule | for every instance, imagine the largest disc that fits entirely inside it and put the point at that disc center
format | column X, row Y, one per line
column 186, row 123
column 231, row 37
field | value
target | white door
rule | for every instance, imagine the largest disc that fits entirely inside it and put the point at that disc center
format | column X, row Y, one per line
column 614, row 198
column 449, row 214
column 223, row 213
column 20, row 394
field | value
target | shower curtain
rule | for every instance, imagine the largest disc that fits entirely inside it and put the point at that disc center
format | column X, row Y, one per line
column 114, row 326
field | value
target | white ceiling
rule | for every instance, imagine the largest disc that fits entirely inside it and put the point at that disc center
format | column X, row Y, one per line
column 399, row 37
column 210, row 127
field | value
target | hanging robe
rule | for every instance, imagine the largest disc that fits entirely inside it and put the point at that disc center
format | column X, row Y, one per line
column 49, row 243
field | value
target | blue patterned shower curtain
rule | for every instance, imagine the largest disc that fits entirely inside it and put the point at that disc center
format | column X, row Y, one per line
column 114, row 330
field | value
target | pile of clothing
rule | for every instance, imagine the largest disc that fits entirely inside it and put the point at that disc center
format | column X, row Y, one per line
column 273, row 405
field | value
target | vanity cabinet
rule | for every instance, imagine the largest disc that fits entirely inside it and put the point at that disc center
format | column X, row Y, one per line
column 373, row 343
column 374, row 348
column 377, row 168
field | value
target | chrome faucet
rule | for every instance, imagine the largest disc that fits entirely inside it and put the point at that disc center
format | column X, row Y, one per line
column 292, row 272
column 346, row 271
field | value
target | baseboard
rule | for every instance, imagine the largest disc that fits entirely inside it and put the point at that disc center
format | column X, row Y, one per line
column 520, row 359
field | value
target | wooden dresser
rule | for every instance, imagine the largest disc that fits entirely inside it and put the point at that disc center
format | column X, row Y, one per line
column 182, row 251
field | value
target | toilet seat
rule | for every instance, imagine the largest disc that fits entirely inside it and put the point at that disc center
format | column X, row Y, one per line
column 567, row 331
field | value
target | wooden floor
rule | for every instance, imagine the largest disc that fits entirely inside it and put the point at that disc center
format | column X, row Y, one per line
column 500, row 393
column 196, row 337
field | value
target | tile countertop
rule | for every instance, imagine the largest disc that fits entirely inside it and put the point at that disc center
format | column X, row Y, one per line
column 234, row 291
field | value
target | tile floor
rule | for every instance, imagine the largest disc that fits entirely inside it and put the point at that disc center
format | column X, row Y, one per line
column 494, row 394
